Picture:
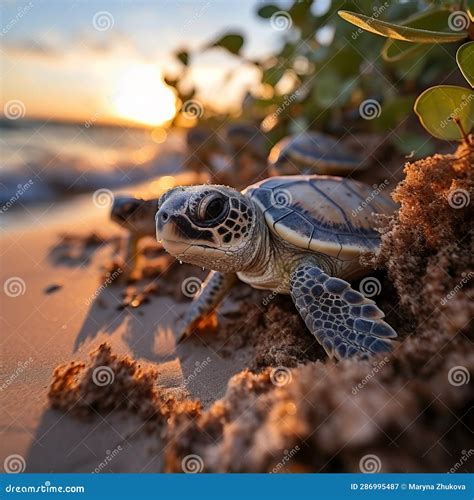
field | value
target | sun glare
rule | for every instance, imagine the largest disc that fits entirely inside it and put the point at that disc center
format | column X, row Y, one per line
column 141, row 96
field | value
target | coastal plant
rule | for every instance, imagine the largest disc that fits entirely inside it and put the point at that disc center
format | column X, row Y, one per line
column 325, row 73
column 445, row 111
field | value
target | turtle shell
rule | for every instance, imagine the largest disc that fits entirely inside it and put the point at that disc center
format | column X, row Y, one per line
column 312, row 153
column 332, row 215
column 245, row 136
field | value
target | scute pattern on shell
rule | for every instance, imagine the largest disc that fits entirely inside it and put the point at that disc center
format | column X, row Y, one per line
column 326, row 213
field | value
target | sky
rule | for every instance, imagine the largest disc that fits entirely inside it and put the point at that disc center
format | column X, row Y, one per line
column 104, row 60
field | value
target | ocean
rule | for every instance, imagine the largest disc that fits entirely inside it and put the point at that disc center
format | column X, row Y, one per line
column 46, row 162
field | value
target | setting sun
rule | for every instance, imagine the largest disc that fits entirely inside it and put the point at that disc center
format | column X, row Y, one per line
column 141, row 96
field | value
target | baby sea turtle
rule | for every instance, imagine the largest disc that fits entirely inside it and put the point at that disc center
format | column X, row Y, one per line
column 312, row 153
column 138, row 217
column 298, row 235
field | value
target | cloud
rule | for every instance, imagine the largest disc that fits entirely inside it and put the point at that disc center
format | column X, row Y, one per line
column 30, row 48
column 52, row 47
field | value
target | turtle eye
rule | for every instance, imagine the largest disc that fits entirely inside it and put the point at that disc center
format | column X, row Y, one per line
column 213, row 207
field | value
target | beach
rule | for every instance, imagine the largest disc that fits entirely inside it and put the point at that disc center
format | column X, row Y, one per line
column 253, row 392
column 45, row 329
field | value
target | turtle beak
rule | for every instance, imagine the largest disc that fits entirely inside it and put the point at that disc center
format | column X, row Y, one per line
column 171, row 205
column 174, row 228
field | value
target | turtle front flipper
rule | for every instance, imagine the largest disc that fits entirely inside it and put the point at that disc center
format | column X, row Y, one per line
column 214, row 289
column 343, row 321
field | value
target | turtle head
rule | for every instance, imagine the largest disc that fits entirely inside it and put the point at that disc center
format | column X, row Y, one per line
column 134, row 214
column 210, row 226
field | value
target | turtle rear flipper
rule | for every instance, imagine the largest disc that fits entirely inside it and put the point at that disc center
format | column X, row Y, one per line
column 343, row 321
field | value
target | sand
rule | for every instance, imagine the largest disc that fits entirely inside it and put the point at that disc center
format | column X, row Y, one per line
column 42, row 330
column 258, row 393
column 409, row 411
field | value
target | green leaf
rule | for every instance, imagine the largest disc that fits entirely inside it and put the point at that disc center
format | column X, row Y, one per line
column 415, row 146
column 465, row 59
column 433, row 20
column 396, row 50
column 438, row 107
column 470, row 10
column 273, row 75
column 398, row 32
column 300, row 12
column 232, row 42
column 183, row 56
column 267, row 11
column 327, row 90
column 394, row 111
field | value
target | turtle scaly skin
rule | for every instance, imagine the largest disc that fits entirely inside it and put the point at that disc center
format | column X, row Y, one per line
column 299, row 235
